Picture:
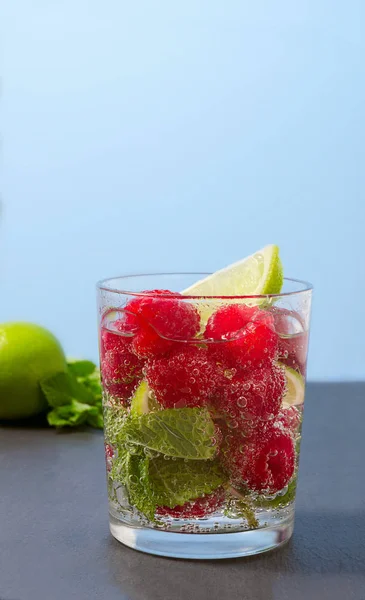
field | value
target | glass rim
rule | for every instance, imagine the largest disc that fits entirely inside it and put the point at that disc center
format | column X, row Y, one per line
column 102, row 285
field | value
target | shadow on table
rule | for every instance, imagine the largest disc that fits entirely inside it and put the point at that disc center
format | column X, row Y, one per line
column 322, row 544
column 40, row 422
column 37, row 422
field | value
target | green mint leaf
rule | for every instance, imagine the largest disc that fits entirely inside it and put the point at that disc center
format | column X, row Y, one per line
column 86, row 373
column 62, row 388
column 138, row 484
column 115, row 417
column 174, row 482
column 81, row 368
column 118, row 472
column 179, row 432
column 95, row 417
column 163, row 482
column 92, row 383
column 73, row 402
column 70, row 415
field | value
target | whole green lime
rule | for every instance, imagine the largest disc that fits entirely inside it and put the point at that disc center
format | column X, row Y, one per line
column 28, row 353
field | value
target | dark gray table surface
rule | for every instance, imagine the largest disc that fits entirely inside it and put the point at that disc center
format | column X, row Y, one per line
column 55, row 543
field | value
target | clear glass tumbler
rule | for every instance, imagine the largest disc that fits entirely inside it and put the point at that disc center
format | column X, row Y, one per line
column 203, row 408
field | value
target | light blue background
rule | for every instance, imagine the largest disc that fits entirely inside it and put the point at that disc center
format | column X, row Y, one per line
column 183, row 135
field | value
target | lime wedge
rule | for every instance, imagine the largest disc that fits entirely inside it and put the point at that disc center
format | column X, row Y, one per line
column 142, row 402
column 260, row 273
column 294, row 387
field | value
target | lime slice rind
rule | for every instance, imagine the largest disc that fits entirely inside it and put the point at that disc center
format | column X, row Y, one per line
column 258, row 274
column 248, row 281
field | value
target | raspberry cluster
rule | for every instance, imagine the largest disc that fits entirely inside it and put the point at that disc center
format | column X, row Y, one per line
column 258, row 452
column 158, row 319
column 232, row 368
column 151, row 326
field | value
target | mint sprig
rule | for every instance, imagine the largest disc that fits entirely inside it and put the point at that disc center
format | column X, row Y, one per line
column 61, row 388
column 74, row 396
column 163, row 458
column 73, row 414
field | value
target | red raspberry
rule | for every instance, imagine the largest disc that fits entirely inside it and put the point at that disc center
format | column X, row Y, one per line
column 228, row 319
column 121, row 370
column 195, row 509
column 289, row 420
column 157, row 320
column 109, row 454
column 186, row 377
column 245, row 336
column 111, row 341
column 149, row 344
column 264, row 465
column 248, row 400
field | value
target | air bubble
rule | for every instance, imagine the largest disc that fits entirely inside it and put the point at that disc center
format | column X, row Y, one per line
column 242, row 402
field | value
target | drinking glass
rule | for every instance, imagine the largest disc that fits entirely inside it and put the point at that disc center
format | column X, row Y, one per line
column 203, row 408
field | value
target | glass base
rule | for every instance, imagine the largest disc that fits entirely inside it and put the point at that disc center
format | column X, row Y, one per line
column 200, row 545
